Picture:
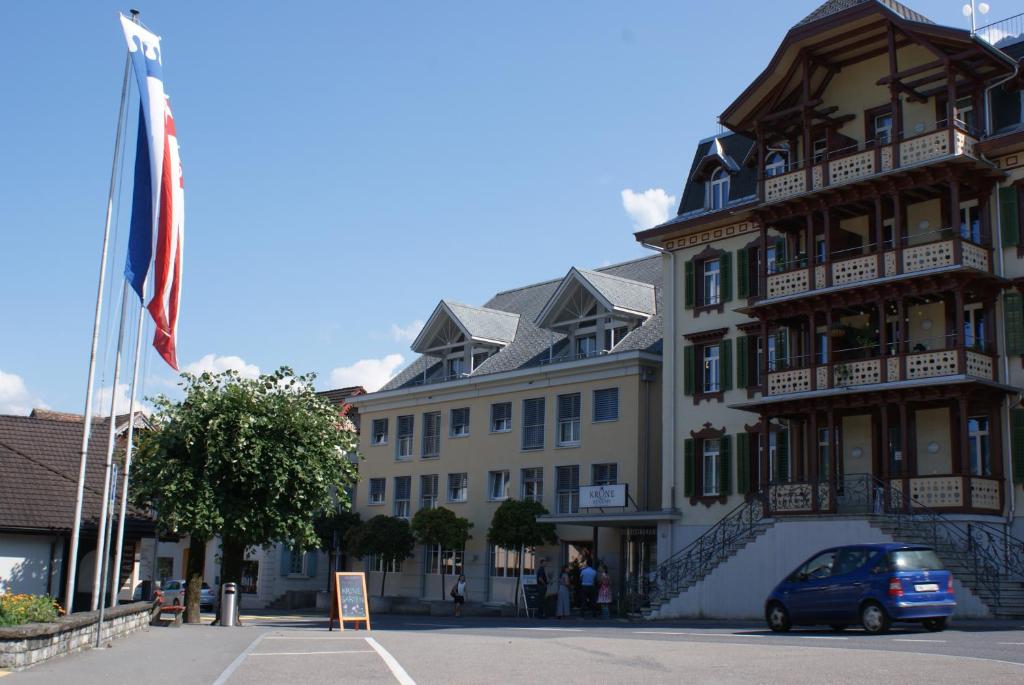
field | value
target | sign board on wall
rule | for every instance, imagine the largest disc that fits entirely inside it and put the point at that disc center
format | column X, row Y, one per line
column 597, row 496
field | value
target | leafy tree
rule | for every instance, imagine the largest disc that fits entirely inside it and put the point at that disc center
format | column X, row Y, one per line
column 387, row 537
column 332, row 527
column 252, row 460
column 440, row 527
column 515, row 526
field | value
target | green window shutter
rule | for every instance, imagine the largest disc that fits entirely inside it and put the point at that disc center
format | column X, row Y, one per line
column 1009, row 216
column 726, row 352
column 742, row 463
column 1013, row 320
column 742, row 274
column 742, row 352
column 725, row 264
column 1017, row 443
column 689, row 468
column 690, row 290
column 689, row 370
column 782, row 456
column 725, row 465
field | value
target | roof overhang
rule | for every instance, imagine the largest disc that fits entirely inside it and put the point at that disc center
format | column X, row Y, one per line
column 444, row 312
column 548, row 316
column 624, row 519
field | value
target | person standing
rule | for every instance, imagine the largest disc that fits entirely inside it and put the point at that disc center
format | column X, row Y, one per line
column 542, row 588
column 604, row 592
column 562, row 605
column 588, row 579
column 459, row 594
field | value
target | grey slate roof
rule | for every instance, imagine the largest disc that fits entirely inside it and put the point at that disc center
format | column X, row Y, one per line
column 742, row 181
column 831, row 7
column 623, row 293
column 486, row 323
column 531, row 344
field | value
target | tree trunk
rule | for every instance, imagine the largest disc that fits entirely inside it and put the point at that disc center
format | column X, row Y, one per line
column 383, row 579
column 519, row 578
column 442, row 586
column 194, row 578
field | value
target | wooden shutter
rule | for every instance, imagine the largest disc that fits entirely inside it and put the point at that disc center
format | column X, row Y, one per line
column 742, row 354
column 725, row 465
column 1017, row 443
column 690, row 286
column 726, row 364
column 782, row 456
column 1009, row 216
column 1013, row 320
column 742, row 463
column 689, row 468
column 742, row 274
column 725, row 277
column 689, row 370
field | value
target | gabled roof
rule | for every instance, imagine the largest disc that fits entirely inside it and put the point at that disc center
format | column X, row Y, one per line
column 714, row 156
column 613, row 293
column 827, row 9
column 478, row 324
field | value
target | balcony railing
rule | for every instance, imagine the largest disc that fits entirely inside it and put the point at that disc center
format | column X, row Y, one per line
column 838, row 167
column 920, row 252
column 1003, row 33
column 925, row 358
column 864, row 494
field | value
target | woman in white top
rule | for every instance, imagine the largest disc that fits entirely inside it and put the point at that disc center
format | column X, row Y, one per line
column 459, row 594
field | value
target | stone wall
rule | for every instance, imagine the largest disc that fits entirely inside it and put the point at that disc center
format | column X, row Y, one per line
column 26, row 645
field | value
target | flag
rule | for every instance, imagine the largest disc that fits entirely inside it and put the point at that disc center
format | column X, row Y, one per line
column 158, row 199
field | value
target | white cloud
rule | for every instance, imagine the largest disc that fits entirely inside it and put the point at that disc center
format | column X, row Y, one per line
column 213, row 363
column 369, row 373
column 15, row 397
column 649, row 208
column 101, row 400
column 408, row 333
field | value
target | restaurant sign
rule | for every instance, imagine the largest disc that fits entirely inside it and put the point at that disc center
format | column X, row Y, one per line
column 597, row 496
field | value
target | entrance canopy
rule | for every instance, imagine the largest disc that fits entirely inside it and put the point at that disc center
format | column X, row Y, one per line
column 617, row 519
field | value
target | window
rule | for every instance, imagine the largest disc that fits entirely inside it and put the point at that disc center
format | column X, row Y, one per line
column 613, row 336
column 606, row 404
column 758, row 360
column 819, row 567
column 479, row 358
column 883, row 128
column 710, row 467
column 819, row 150
column 505, row 562
column 586, row 346
column 456, row 367
column 376, row 564
column 775, row 165
column 774, row 258
column 250, row 582
column 970, row 222
column 403, row 445
column 569, row 419
column 822, row 336
column 974, row 326
column 403, row 492
column 712, row 282
column 718, row 190
column 533, row 424
column 458, row 487
column 447, row 562
column 501, row 417
column 377, row 486
column 497, row 485
column 568, row 482
column 604, row 474
column 977, row 431
column 380, row 431
column 296, row 565
column 459, row 422
column 710, row 376
column 532, row 484
column 963, row 113
column 428, row 491
column 431, row 434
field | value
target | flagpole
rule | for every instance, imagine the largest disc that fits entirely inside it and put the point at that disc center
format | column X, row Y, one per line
column 102, row 546
column 76, row 526
column 128, row 453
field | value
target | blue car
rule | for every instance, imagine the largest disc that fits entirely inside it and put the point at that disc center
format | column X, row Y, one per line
column 870, row 584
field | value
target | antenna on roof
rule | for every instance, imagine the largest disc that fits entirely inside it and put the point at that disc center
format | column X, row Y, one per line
column 972, row 11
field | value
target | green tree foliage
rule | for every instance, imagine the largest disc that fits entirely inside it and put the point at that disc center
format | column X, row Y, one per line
column 440, row 527
column 387, row 537
column 332, row 528
column 253, row 460
column 515, row 526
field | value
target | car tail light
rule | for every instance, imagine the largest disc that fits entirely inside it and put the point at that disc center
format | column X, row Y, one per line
column 895, row 589
column 949, row 585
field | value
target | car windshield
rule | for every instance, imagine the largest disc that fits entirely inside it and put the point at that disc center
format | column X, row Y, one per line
column 915, row 560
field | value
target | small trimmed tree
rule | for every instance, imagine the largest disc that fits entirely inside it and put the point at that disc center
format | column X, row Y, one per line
column 515, row 526
column 332, row 529
column 387, row 537
column 440, row 527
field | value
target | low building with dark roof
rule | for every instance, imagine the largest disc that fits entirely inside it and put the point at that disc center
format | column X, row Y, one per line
column 550, row 392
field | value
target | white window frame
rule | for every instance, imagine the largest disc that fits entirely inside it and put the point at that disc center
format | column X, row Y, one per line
column 464, row 487
column 712, row 378
column 383, row 492
column 435, row 435
column 712, row 294
column 567, row 501
column 499, row 482
column 375, row 564
column 527, row 427
column 718, row 190
column 586, row 345
column 775, row 164
column 448, row 562
column 958, row 112
column 711, row 451
column 532, row 487
column 594, row 480
column 402, row 508
column 884, row 133
column 428, row 501
column 504, row 562
column 974, row 321
column 569, row 427
column 455, row 361
column 460, row 430
column 296, row 570
column 404, row 443
column 502, row 424
column 819, row 150
column 380, row 437
column 979, row 445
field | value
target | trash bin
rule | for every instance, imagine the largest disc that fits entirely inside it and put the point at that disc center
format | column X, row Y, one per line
column 228, row 604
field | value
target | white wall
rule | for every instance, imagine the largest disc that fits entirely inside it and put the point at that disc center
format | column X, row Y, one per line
column 30, row 564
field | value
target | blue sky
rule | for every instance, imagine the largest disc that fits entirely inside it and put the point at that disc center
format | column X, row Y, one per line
column 349, row 164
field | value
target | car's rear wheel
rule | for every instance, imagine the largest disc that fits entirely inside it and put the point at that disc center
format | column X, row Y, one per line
column 837, row 628
column 935, row 625
column 874, row 619
column 777, row 617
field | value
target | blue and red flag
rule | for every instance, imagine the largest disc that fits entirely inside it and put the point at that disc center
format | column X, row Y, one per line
column 158, row 200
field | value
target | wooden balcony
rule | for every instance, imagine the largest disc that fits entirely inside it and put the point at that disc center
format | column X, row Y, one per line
column 944, row 493
column 844, row 167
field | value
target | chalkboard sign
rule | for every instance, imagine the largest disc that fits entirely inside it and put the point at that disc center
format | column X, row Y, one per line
column 350, row 603
column 533, row 596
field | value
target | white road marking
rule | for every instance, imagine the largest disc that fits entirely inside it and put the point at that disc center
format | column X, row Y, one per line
column 289, row 637
column 1010, row 643
column 820, row 637
column 434, row 625
column 337, row 651
column 396, row 668
column 910, row 639
column 677, row 632
column 233, row 666
column 564, row 630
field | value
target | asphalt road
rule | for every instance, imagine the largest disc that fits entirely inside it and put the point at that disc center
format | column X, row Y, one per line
column 406, row 650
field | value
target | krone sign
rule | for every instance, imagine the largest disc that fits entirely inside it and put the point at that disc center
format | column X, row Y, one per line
column 596, row 496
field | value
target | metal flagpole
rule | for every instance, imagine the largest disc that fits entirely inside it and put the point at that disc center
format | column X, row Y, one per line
column 101, row 541
column 76, row 526
column 128, row 452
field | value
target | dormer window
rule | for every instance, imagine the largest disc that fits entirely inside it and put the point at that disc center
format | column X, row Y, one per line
column 775, row 165
column 456, row 367
column 718, row 189
column 586, row 346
